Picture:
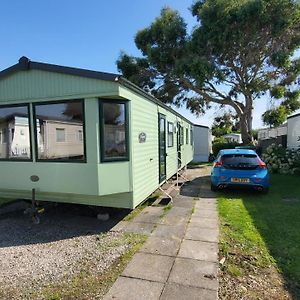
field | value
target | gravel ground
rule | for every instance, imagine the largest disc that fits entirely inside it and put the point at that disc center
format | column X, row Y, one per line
column 67, row 240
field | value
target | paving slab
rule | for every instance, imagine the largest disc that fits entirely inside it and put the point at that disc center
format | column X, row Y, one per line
column 173, row 220
column 134, row 289
column 161, row 246
column 209, row 200
column 203, row 205
column 182, row 202
column 134, row 227
column 147, row 218
column 180, row 258
column 199, row 250
column 180, row 211
column 209, row 214
column 149, row 267
column 195, row 273
column 202, row 234
column 203, row 222
column 174, row 291
column 170, row 231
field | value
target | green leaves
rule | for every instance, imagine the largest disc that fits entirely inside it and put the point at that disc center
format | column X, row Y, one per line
column 275, row 117
column 239, row 50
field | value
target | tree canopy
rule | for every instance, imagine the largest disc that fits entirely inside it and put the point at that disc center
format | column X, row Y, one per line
column 224, row 124
column 238, row 51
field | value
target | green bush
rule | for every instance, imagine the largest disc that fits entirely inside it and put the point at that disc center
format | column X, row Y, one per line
column 281, row 160
column 217, row 146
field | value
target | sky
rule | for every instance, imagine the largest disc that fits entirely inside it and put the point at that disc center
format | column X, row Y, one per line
column 87, row 34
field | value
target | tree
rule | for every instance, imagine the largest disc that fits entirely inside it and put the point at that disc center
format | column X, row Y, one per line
column 278, row 115
column 238, row 51
column 224, row 124
column 275, row 117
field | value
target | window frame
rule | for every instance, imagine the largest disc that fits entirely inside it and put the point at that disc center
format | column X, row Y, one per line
column 172, row 132
column 37, row 159
column 30, row 158
column 101, row 103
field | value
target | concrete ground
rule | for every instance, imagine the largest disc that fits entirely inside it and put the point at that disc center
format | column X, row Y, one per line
column 180, row 258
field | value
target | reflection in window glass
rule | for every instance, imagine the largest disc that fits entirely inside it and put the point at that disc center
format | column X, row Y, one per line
column 114, row 131
column 14, row 132
column 57, row 126
column 60, row 135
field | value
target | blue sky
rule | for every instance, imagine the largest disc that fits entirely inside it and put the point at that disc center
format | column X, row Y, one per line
column 86, row 34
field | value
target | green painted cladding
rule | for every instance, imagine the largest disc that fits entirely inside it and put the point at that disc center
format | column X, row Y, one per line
column 116, row 184
column 145, row 158
column 36, row 85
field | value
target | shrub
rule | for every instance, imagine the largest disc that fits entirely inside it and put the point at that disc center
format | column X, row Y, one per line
column 281, row 160
column 217, row 146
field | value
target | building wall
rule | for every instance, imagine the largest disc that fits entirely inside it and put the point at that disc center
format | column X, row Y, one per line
column 293, row 132
column 145, row 156
column 233, row 137
column 116, row 184
column 267, row 133
column 202, row 137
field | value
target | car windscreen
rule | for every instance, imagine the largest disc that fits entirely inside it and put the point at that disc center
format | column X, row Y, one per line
column 240, row 161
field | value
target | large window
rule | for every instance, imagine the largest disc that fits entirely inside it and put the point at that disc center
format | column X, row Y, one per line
column 114, row 130
column 57, row 127
column 14, row 132
column 170, row 134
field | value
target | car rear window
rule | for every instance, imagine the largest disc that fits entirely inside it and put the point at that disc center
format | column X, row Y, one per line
column 240, row 161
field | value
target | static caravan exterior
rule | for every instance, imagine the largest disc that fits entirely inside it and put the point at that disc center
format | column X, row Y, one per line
column 293, row 131
column 85, row 137
column 202, row 143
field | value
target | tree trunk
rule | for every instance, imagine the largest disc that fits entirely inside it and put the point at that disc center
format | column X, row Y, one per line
column 245, row 126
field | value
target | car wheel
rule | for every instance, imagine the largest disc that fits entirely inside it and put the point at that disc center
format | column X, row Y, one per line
column 213, row 188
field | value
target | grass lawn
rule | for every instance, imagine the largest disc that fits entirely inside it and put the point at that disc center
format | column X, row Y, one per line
column 260, row 239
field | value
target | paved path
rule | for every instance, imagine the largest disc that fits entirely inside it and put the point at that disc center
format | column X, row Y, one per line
column 180, row 258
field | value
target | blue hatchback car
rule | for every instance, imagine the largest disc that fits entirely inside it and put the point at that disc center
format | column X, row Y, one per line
column 239, row 168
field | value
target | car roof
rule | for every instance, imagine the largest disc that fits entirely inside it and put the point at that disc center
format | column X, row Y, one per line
column 237, row 151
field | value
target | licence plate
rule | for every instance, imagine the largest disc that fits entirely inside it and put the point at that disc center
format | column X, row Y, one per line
column 242, row 180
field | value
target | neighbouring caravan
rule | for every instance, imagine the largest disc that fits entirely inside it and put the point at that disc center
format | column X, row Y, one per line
column 233, row 138
column 293, row 131
column 85, row 137
column 202, row 143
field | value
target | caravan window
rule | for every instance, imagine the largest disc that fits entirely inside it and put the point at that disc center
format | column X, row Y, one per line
column 56, row 131
column 15, row 133
column 170, row 134
column 114, row 130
